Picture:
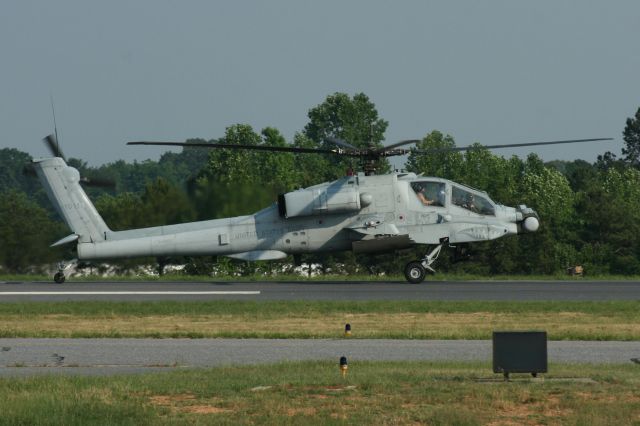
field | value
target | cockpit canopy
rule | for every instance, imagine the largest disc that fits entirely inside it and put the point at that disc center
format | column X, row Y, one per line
column 430, row 193
column 474, row 202
column 435, row 193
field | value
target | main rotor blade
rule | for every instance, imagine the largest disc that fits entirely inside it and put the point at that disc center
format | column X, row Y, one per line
column 341, row 143
column 397, row 144
column 293, row 149
column 52, row 143
column 510, row 145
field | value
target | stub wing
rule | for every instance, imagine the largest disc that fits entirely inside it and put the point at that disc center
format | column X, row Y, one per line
column 372, row 234
column 372, row 225
column 382, row 244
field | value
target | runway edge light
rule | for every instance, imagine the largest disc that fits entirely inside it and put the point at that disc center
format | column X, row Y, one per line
column 347, row 330
column 343, row 366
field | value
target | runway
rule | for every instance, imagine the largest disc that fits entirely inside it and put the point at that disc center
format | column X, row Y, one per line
column 319, row 290
column 25, row 357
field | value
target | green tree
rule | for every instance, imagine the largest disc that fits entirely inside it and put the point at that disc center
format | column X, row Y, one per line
column 165, row 204
column 214, row 199
column 631, row 136
column 178, row 168
column 353, row 119
column 235, row 165
column 12, row 176
column 611, row 222
column 26, row 231
column 122, row 211
column 160, row 204
column 446, row 165
column 313, row 168
column 549, row 193
column 15, row 176
column 578, row 172
column 277, row 169
column 175, row 168
column 238, row 182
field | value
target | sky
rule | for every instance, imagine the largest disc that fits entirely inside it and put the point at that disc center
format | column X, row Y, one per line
column 491, row 72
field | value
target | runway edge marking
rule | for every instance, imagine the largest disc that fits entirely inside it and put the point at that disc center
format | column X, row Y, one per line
column 120, row 293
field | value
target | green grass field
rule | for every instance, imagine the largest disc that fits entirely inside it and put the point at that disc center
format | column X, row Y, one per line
column 315, row 393
column 619, row 320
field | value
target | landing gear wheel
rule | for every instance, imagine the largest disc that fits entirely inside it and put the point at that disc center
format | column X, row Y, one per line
column 414, row 272
column 59, row 277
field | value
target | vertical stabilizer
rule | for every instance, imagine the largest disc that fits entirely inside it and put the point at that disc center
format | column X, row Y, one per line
column 62, row 184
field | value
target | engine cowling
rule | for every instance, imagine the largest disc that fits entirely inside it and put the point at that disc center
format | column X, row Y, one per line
column 316, row 201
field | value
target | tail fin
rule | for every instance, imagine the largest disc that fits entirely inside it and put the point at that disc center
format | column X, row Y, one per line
column 62, row 184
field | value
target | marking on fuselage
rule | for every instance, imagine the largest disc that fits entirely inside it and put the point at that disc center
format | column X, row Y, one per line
column 260, row 235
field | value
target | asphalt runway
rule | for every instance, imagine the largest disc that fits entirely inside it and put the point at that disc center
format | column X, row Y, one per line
column 318, row 290
column 26, row 357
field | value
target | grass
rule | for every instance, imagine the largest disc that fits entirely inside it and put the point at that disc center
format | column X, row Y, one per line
column 328, row 277
column 315, row 393
column 615, row 320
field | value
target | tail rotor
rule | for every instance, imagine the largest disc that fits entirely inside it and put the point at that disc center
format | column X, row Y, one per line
column 51, row 142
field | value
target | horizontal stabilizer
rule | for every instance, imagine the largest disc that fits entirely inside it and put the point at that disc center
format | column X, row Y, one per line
column 68, row 239
column 252, row 256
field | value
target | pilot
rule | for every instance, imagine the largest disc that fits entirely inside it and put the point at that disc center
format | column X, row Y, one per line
column 470, row 204
column 423, row 197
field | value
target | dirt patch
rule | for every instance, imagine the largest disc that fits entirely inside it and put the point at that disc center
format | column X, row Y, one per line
column 528, row 412
column 339, row 388
column 598, row 397
column 318, row 396
column 306, row 411
column 184, row 403
column 409, row 406
column 330, row 388
column 203, row 409
column 504, row 422
column 171, row 400
column 102, row 395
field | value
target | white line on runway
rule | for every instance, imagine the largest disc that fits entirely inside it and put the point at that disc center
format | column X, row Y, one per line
column 118, row 293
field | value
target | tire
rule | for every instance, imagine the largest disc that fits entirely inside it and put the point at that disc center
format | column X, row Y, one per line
column 414, row 272
column 59, row 277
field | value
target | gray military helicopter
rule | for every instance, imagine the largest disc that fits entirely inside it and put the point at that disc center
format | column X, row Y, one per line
column 363, row 212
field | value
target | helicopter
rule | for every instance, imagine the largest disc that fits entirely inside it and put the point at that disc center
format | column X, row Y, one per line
column 362, row 212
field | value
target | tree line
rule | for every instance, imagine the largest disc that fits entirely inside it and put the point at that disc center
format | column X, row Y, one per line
column 590, row 212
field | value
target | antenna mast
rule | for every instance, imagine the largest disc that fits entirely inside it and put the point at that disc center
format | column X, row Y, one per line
column 55, row 126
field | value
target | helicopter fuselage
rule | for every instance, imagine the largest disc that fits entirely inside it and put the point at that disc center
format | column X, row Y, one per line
column 364, row 213
column 359, row 213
